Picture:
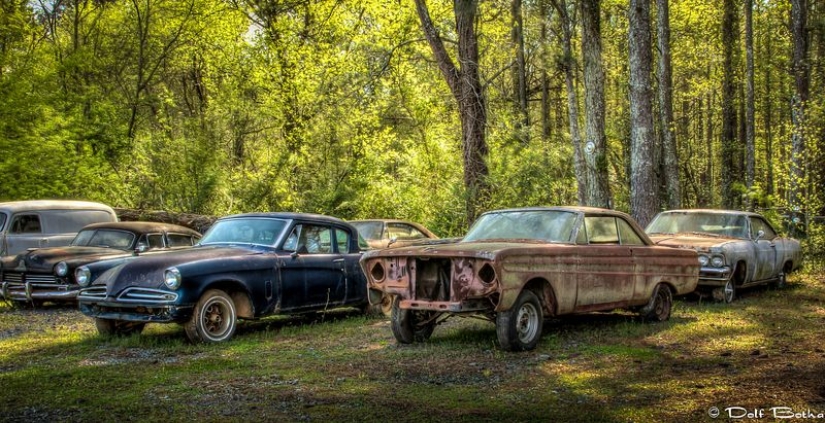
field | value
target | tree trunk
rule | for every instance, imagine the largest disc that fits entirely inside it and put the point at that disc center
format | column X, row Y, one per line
column 520, row 75
column 546, row 121
column 798, row 103
column 750, row 143
column 465, row 84
column 579, row 165
column 671, row 158
column 729, row 140
column 595, row 146
column 643, row 192
column 768, row 114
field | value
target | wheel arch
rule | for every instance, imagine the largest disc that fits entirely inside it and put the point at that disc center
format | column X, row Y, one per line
column 545, row 293
column 244, row 308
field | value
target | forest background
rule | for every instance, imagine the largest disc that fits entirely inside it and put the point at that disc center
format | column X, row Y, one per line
column 430, row 111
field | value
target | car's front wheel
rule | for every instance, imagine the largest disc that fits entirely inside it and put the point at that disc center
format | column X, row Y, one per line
column 519, row 328
column 662, row 304
column 214, row 318
column 410, row 326
column 111, row 327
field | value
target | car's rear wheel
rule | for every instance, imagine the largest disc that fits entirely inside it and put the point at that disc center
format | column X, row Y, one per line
column 111, row 327
column 214, row 318
column 662, row 304
column 410, row 326
column 519, row 328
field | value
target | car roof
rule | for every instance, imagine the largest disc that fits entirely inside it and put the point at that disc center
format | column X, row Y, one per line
column 714, row 211
column 288, row 215
column 143, row 227
column 34, row 205
column 574, row 209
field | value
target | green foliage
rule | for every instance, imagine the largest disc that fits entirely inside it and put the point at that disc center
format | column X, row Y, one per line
column 338, row 107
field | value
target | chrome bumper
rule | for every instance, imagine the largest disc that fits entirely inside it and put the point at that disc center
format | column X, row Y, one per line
column 29, row 291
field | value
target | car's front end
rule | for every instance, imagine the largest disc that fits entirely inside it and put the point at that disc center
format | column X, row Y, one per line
column 46, row 274
column 714, row 256
column 452, row 278
column 152, row 288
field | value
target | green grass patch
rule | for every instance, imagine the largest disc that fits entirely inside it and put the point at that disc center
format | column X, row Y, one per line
column 763, row 350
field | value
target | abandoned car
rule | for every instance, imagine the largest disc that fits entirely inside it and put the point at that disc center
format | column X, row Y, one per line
column 46, row 223
column 47, row 274
column 390, row 233
column 736, row 249
column 246, row 266
column 515, row 267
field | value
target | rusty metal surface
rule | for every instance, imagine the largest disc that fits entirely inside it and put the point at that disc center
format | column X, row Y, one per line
column 487, row 277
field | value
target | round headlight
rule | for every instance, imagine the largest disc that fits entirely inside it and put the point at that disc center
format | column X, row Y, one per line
column 717, row 261
column 703, row 260
column 83, row 276
column 172, row 278
column 61, row 269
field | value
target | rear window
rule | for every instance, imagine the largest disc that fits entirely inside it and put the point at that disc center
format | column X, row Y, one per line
column 62, row 221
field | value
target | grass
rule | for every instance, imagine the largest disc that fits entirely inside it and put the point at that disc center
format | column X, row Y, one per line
column 764, row 350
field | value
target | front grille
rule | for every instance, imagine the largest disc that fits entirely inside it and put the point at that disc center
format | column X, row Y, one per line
column 93, row 293
column 19, row 278
column 432, row 280
column 144, row 295
column 12, row 277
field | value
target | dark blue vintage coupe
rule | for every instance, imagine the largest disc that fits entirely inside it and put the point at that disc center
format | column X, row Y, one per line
column 246, row 266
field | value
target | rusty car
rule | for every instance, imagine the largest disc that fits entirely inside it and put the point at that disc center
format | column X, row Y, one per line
column 736, row 249
column 516, row 267
column 246, row 266
column 47, row 274
column 392, row 233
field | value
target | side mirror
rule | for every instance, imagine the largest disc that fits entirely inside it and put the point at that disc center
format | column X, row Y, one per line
column 393, row 240
column 141, row 247
column 760, row 235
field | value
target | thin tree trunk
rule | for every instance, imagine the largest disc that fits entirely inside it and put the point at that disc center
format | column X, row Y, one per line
column 579, row 165
column 798, row 103
column 729, row 140
column 643, row 192
column 546, row 121
column 671, row 157
column 595, row 146
column 465, row 84
column 769, row 113
column 750, row 119
column 520, row 74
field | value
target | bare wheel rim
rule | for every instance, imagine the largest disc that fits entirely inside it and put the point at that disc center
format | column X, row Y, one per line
column 527, row 322
column 216, row 318
column 729, row 290
column 386, row 304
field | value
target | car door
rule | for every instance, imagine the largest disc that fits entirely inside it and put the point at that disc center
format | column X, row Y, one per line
column 353, row 281
column 312, row 276
column 768, row 251
column 606, row 267
column 25, row 231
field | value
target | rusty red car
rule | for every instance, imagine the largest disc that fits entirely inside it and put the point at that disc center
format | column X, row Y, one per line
column 517, row 267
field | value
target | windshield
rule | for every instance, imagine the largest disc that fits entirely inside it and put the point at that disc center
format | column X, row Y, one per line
column 109, row 238
column 540, row 225
column 369, row 230
column 715, row 224
column 250, row 230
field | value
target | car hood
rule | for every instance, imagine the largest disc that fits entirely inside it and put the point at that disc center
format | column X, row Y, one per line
column 479, row 249
column 44, row 259
column 693, row 241
column 147, row 271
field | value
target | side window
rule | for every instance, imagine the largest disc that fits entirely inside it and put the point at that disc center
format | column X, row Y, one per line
column 26, row 224
column 63, row 221
column 155, row 241
column 581, row 237
column 291, row 243
column 180, row 240
column 601, row 229
column 342, row 238
column 404, row 232
column 757, row 225
column 629, row 236
column 314, row 239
